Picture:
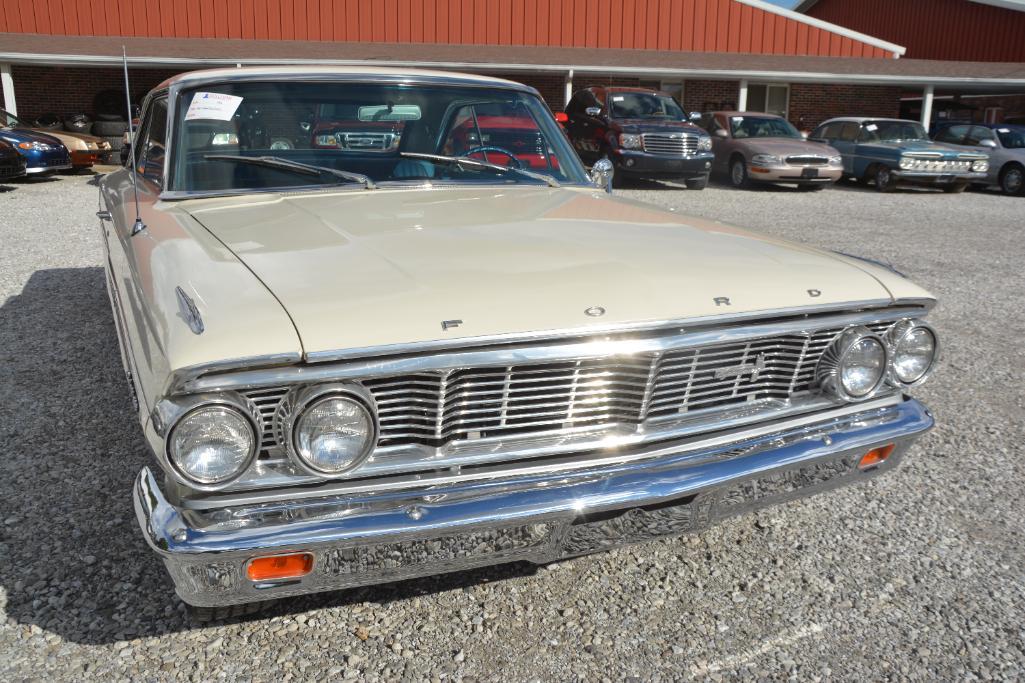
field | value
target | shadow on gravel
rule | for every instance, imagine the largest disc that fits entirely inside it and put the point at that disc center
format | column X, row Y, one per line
column 72, row 559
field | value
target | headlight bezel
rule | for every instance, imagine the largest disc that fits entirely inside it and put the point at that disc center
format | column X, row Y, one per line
column 195, row 404
column 830, row 367
column 895, row 334
column 305, row 398
column 979, row 166
column 835, row 160
column 636, row 142
column 765, row 160
column 704, row 143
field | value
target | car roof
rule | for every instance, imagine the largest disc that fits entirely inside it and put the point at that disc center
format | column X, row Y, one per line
column 862, row 119
column 744, row 113
column 372, row 73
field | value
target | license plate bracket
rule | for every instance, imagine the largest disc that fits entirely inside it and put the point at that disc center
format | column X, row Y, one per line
column 810, row 173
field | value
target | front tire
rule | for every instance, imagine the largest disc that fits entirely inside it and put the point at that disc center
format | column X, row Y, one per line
column 738, row 174
column 699, row 183
column 1012, row 179
column 884, row 179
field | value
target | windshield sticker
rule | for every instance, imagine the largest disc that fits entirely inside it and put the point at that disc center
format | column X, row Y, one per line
column 618, row 98
column 213, row 106
column 1003, row 130
column 737, row 119
column 872, row 127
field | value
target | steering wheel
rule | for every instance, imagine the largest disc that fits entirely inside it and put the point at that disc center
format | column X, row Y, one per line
column 501, row 150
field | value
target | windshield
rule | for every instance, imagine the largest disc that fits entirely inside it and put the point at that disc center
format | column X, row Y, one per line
column 9, row 120
column 372, row 130
column 642, row 105
column 1011, row 138
column 761, row 127
column 892, row 131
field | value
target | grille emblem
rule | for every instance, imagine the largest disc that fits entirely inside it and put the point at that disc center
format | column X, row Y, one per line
column 755, row 369
column 595, row 311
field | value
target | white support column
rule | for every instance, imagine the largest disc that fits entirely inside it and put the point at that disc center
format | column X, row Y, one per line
column 742, row 99
column 8, row 89
column 568, row 89
column 927, row 106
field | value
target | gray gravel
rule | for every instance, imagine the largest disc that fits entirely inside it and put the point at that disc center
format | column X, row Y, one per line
column 915, row 575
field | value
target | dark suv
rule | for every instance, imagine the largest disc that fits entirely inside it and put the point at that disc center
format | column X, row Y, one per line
column 644, row 132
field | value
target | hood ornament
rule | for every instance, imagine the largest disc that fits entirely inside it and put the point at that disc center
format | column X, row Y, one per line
column 189, row 312
column 594, row 311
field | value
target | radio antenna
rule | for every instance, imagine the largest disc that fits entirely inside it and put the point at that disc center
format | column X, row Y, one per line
column 138, row 226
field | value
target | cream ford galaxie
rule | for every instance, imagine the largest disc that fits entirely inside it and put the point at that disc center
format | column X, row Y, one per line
column 419, row 338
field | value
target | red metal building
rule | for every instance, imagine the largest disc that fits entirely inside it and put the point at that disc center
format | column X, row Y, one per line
column 55, row 56
column 970, row 30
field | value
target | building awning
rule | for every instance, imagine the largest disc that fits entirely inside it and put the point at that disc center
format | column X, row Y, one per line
column 190, row 53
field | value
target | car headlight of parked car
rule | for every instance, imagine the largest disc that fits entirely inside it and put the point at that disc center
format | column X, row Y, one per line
column 913, row 350
column 980, row 166
column 704, row 143
column 38, row 146
column 333, row 430
column 836, row 160
column 629, row 141
column 854, row 366
column 765, row 160
column 212, row 444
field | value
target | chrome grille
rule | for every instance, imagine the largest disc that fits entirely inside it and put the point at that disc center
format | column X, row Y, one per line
column 807, row 161
column 439, row 407
column 939, row 165
column 675, row 144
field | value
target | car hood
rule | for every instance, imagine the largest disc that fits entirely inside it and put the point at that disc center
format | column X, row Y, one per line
column 16, row 135
column 786, row 147
column 921, row 146
column 361, row 269
column 655, row 126
column 64, row 134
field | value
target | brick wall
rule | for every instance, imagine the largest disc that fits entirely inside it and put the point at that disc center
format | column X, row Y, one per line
column 813, row 103
column 710, row 95
column 67, row 90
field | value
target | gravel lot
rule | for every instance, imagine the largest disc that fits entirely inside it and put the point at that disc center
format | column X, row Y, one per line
column 917, row 575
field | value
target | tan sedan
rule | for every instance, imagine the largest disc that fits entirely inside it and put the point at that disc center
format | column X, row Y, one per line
column 755, row 147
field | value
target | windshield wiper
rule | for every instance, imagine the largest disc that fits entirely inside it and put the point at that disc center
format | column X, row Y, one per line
column 476, row 163
column 287, row 164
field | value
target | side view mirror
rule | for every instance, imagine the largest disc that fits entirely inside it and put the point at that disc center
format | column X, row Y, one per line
column 992, row 144
column 720, row 133
column 694, row 116
column 593, row 111
column 601, row 174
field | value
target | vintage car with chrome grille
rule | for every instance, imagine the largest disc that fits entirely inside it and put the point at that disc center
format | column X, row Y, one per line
column 764, row 148
column 890, row 152
column 355, row 367
column 645, row 134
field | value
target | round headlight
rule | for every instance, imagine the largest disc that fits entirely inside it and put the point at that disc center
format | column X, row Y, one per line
column 863, row 367
column 334, row 433
column 913, row 346
column 212, row 444
column 854, row 365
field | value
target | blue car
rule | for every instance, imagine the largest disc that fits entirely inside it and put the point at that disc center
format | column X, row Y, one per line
column 44, row 154
column 888, row 152
column 12, row 164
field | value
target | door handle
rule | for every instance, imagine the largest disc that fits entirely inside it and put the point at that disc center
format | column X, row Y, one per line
column 103, row 215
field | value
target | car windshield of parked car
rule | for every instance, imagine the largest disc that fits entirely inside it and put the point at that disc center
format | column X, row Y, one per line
column 379, row 132
column 761, row 127
column 642, row 105
column 892, row 131
column 1011, row 139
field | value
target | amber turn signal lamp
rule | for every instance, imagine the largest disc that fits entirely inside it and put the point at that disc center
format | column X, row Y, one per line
column 876, row 456
column 280, row 567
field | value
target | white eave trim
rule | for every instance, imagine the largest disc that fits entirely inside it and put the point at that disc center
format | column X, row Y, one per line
column 894, row 49
column 788, row 76
column 1013, row 5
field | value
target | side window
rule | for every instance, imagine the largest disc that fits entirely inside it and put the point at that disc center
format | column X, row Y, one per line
column 599, row 97
column 576, row 104
column 154, row 138
column 953, row 135
column 849, row 131
column 978, row 134
column 826, row 132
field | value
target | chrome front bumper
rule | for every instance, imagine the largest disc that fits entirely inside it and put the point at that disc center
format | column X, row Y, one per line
column 385, row 537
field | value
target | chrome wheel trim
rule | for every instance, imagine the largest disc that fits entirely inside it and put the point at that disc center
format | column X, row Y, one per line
column 738, row 173
column 1013, row 181
column 883, row 177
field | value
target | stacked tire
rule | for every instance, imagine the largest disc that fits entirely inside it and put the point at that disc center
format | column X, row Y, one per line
column 110, row 124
